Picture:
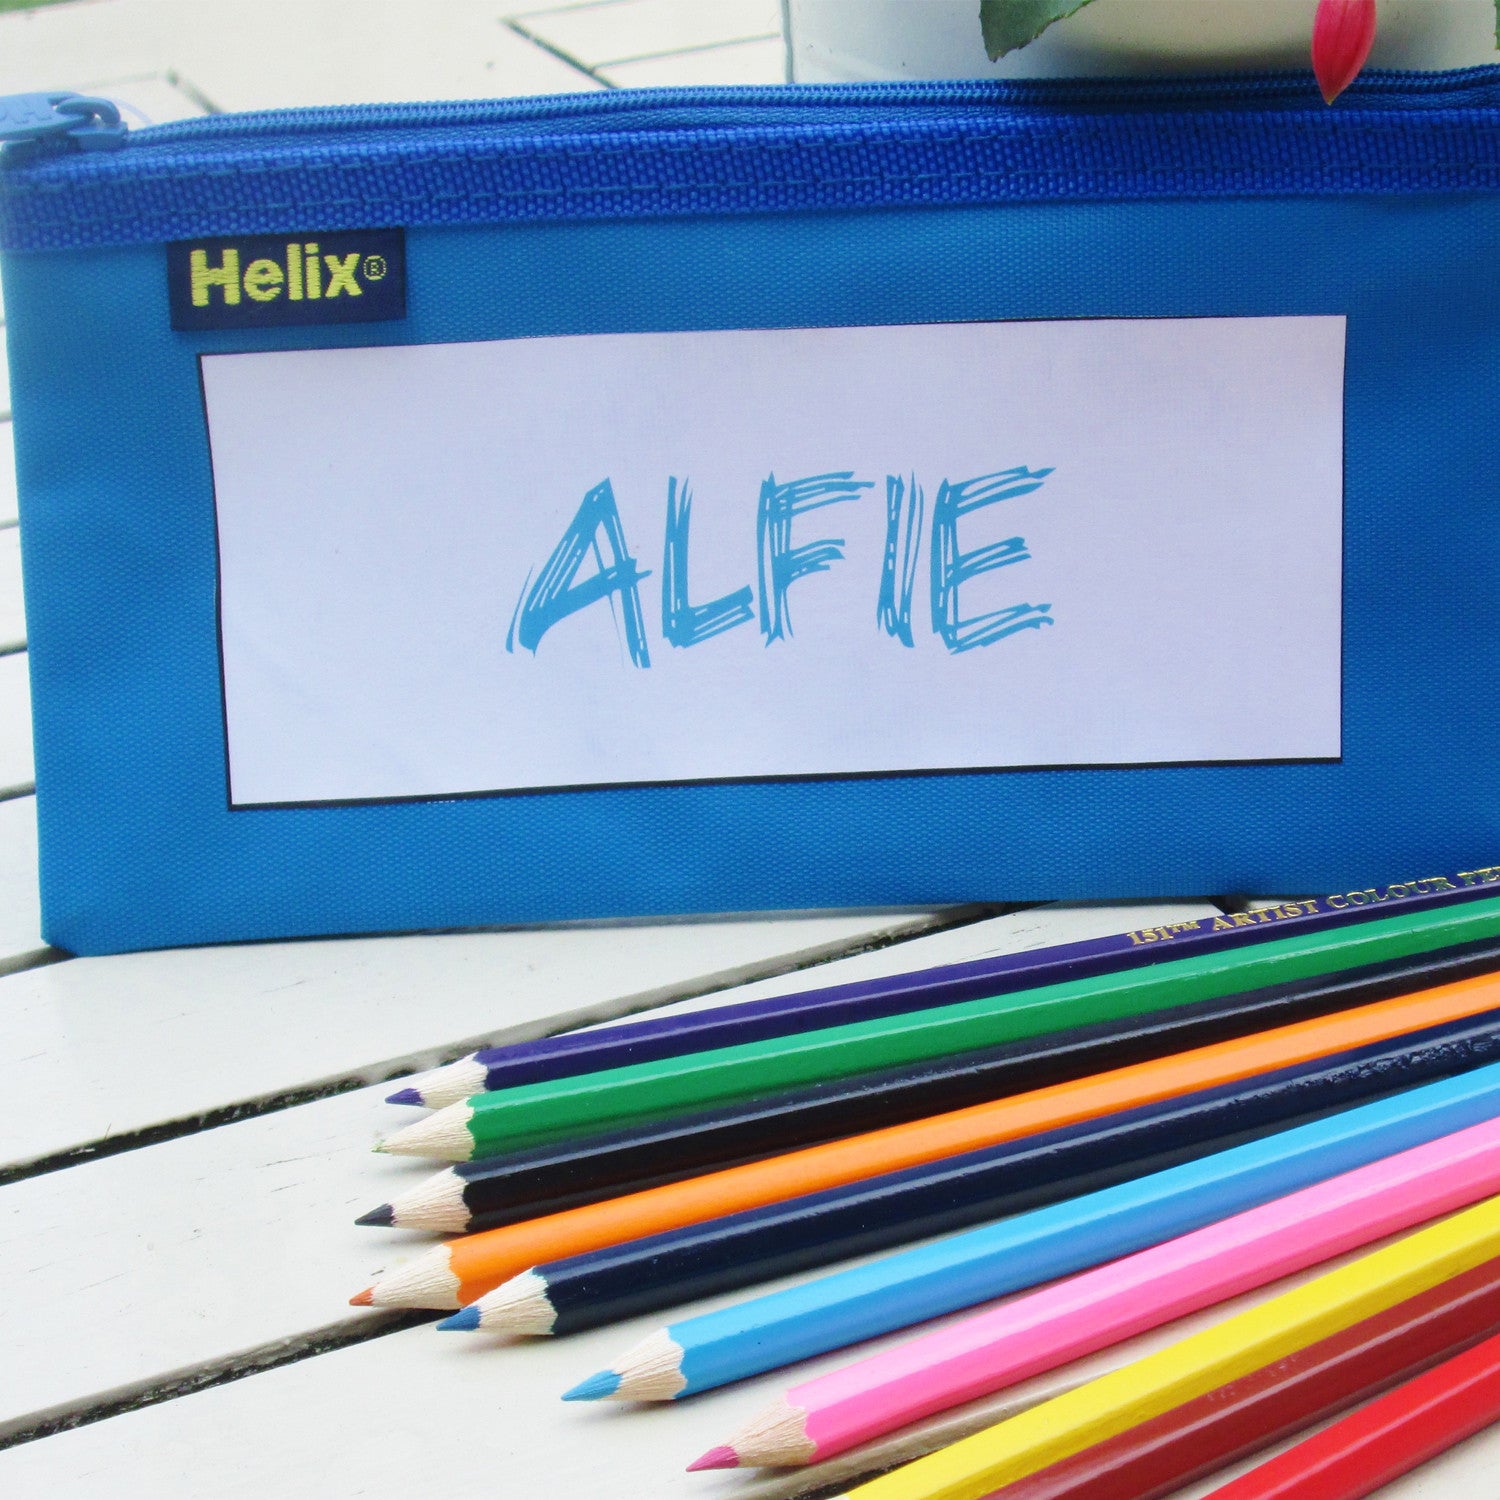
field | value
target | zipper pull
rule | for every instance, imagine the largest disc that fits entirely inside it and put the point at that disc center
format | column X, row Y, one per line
column 28, row 122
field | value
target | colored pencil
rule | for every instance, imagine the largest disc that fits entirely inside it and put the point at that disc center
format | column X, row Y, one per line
column 545, row 1058
column 537, row 1112
column 933, row 1433
column 450, row 1275
column 493, row 1191
column 956, row 1192
column 930, row 1280
column 835, row 1412
column 1205, row 1361
column 1182, row 1445
column 1389, row 1437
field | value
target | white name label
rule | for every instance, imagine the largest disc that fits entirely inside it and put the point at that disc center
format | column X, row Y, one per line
column 638, row 558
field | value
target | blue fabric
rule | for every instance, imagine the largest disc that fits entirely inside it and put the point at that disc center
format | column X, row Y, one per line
column 139, row 848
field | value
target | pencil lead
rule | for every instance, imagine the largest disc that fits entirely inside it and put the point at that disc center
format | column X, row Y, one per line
column 385, row 1216
column 365, row 1298
column 596, row 1388
column 405, row 1096
column 716, row 1458
column 465, row 1320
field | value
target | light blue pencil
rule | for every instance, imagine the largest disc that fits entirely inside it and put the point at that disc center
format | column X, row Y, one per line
column 899, row 1290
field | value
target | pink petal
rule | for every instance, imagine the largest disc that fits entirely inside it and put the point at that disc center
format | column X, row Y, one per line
column 1343, row 31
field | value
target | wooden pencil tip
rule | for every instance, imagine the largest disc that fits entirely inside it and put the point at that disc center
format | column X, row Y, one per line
column 384, row 1216
column 365, row 1298
column 405, row 1096
column 716, row 1458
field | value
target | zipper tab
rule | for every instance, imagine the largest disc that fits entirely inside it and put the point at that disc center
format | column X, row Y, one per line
column 28, row 122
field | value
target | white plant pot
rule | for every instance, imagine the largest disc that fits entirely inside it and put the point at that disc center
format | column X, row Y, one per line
column 844, row 41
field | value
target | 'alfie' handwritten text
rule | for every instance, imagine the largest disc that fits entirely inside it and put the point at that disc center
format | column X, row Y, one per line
column 597, row 533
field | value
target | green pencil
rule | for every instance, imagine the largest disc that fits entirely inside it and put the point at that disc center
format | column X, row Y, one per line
column 530, row 1114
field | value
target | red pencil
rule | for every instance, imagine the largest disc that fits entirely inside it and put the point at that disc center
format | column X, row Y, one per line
column 1213, row 1430
column 1380, row 1442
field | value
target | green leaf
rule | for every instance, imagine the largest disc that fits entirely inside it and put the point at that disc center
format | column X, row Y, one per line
column 1008, row 24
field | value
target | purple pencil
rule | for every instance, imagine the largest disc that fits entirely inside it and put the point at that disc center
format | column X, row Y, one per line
column 863, row 1000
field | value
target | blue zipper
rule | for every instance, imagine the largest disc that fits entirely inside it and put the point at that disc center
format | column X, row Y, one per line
column 71, row 119
column 36, row 116
column 74, row 176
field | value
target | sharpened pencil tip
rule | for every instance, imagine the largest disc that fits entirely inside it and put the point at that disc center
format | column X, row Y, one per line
column 716, row 1458
column 385, row 1216
column 465, row 1320
column 365, row 1298
column 596, row 1388
column 405, row 1096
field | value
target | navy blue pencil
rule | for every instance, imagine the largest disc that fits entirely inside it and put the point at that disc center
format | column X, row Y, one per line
column 816, row 1229
column 747, row 1021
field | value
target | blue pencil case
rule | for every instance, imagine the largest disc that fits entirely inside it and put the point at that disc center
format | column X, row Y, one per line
column 754, row 499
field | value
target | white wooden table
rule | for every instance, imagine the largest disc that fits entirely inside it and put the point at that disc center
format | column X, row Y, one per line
column 176, row 1244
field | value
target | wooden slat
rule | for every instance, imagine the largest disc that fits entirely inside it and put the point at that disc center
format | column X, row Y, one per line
column 243, row 56
column 20, row 914
column 756, row 62
column 458, row 50
column 169, row 1277
column 174, row 1034
column 143, row 1038
column 8, row 505
column 601, row 34
column 60, row 46
column 16, row 770
column 12, row 610
column 418, row 1412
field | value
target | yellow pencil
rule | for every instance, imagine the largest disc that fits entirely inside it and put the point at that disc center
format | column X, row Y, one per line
column 1250, row 1340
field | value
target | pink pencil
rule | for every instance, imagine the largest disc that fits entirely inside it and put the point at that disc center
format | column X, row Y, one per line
column 1100, row 1307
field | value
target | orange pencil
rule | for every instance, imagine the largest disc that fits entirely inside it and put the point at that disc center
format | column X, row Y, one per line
column 464, row 1269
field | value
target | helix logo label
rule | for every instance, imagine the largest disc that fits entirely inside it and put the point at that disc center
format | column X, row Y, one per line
column 273, row 281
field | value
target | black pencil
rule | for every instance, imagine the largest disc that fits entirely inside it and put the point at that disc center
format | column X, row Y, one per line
column 547, row 1179
column 662, row 1270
